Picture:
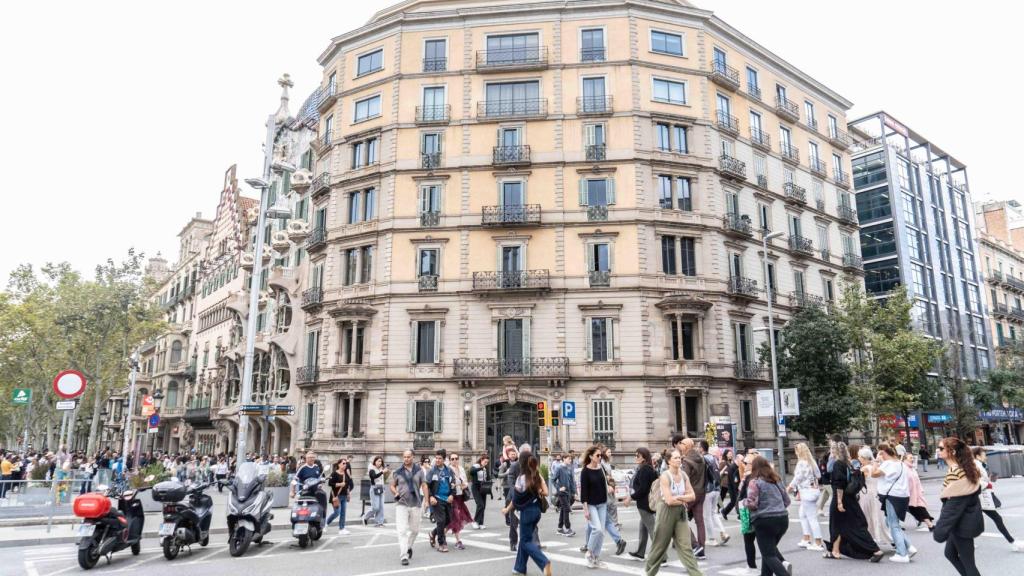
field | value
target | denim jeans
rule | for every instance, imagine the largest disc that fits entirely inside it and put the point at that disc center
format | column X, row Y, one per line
column 528, row 547
column 595, row 528
column 376, row 511
column 609, row 526
column 899, row 538
column 339, row 513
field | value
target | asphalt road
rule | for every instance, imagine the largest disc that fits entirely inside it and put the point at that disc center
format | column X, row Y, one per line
column 369, row 551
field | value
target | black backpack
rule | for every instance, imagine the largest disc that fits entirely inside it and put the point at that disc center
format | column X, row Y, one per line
column 854, row 480
column 712, row 481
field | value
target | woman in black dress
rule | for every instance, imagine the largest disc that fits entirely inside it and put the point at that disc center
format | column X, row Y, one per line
column 848, row 529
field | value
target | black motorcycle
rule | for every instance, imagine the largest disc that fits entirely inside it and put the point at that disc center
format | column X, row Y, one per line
column 105, row 530
column 308, row 512
column 185, row 522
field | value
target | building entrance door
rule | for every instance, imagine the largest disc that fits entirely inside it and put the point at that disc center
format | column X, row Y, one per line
column 516, row 420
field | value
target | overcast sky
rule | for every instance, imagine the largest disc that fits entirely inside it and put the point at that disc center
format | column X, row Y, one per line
column 123, row 116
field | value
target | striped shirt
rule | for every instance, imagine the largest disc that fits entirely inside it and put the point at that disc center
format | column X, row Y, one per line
column 955, row 473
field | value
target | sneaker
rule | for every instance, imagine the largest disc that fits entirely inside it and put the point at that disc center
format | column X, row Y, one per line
column 409, row 553
column 512, row 547
column 583, row 548
column 725, row 538
column 344, row 532
column 481, row 527
column 803, row 543
column 600, row 565
column 788, row 566
column 911, row 551
column 561, row 532
column 475, row 526
column 591, row 563
column 365, row 521
column 922, row 528
column 1017, row 546
column 816, row 548
column 620, row 547
column 712, row 542
column 460, row 545
column 635, row 555
column 899, row 559
column 405, row 561
column 568, row 533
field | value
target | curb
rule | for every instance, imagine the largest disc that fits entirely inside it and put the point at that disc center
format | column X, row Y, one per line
column 72, row 539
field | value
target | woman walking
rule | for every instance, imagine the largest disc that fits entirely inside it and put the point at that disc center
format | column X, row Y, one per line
column 768, row 503
column 873, row 512
column 640, row 489
column 527, row 493
column 378, row 474
column 749, row 539
column 594, row 497
column 960, row 520
column 731, row 481
column 480, row 484
column 670, row 526
column 805, row 486
column 918, row 506
column 460, row 513
column 894, row 493
column 341, row 484
column 848, row 529
column 988, row 498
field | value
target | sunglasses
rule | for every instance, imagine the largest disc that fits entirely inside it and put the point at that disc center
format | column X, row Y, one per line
column 943, row 448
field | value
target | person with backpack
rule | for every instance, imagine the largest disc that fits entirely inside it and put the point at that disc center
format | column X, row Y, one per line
column 672, row 491
column 894, row 494
column 712, row 492
column 848, row 529
column 825, row 480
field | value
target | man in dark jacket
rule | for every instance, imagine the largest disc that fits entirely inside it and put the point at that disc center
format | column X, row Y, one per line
column 565, row 494
column 694, row 467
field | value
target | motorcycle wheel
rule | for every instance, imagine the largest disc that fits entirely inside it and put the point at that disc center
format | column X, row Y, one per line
column 171, row 548
column 303, row 541
column 239, row 543
column 205, row 540
column 136, row 548
column 315, row 533
column 87, row 558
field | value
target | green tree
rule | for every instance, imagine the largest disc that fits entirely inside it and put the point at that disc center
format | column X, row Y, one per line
column 811, row 358
column 1003, row 386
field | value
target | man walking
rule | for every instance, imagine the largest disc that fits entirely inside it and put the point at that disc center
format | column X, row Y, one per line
column 565, row 494
column 409, row 488
column 695, row 469
column 442, row 490
column 923, row 457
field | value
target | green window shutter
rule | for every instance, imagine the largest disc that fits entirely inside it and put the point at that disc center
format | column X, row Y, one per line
column 583, row 191
column 611, row 190
column 410, row 416
column 438, row 415
column 286, row 183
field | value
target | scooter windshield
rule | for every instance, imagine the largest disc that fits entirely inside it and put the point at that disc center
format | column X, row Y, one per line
column 246, row 480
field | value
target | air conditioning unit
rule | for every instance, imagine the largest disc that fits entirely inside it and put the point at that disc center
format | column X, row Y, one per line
column 280, row 242
column 298, row 230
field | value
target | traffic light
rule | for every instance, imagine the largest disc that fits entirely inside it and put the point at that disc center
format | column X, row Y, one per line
column 542, row 414
column 554, row 416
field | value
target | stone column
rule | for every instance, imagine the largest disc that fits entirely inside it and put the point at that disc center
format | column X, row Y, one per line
column 350, row 431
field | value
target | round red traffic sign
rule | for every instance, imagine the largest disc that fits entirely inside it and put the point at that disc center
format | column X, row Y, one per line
column 69, row 384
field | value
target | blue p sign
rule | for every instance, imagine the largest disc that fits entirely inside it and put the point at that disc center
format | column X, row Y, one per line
column 568, row 411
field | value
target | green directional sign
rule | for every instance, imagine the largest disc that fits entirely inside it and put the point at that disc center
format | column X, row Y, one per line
column 21, row 395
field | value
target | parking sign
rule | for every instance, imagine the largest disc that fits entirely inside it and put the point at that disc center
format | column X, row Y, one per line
column 569, row 412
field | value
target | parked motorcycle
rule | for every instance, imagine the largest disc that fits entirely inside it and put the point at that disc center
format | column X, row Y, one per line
column 185, row 522
column 105, row 530
column 248, row 508
column 308, row 512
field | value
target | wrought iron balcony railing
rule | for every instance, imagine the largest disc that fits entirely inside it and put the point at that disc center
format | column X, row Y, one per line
column 744, row 287
column 317, row 239
column 801, row 245
column 724, row 75
column 511, row 155
column 812, row 124
column 430, row 219
column 593, row 105
column 795, row 193
column 600, row 278
column 787, row 109
column 754, row 92
column 759, row 139
column 818, row 167
column 737, row 224
column 427, row 282
column 597, row 213
column 498, row 367
column 307, row 374
column 513, row 108
column 514, row 214
column 1014, row 283
column 592, row 55
column 435, row 64
column 312, row 297
column 512, row 280
column 596, row 152
column 853, row 261
column 423, row 441
column 749, row 370
column 762, row 180
column 437, row 114
column 728, row 124
column 798, row 299
column 321, row 183
column 512, row 58
column 847, row 214
column 789, row 153
column 430, row 160
column 839, row 139
column 732, row 167
column 842, row 179
column 605, row 438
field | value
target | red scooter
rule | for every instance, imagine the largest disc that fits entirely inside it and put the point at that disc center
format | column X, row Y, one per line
column 105, row 530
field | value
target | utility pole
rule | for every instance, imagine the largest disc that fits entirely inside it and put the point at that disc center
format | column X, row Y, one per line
column 131, row 407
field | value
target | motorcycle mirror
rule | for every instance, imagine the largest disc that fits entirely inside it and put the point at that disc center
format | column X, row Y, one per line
column 102, row 487
column 149, row 478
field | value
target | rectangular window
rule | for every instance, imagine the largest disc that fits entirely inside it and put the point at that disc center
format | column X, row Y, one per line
column 427, row 265
column 666, row 43
column 809, row 112
column 684, row 201
column 309, row 419
column 369, row 203
column 664, row 136
column 598, row 191
column 752, row 86
column 604, row 418
column 833, row 126
column 679, row 139
column 512, row 98
column 426, row 342
column 426, row 416
column 430, row 199
column 435, row 57
column 371, row 62
column 764, row 219
column 351, row 263
column 592, row 45
column 513, row 48
column 669, row 91
column 829, row 289
column 823, row 236
column 682, row 339
column 785, row 139
column 367, row 264
column 367, row 108
column 674, row 192
column 601, row 339
column 668, row 255
column 688, row 257
column 746, row 416
column 598, row 258
column 354, row 211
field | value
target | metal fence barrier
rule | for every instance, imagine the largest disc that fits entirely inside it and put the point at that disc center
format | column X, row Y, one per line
column 44, row 498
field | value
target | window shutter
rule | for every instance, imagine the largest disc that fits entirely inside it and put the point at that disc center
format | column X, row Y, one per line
column 590, row 249
column 610, row 339
column 583, row 191
column 589, row 329
column 286, row 184
column 526, row 338
column 437, row 342
column 590, row 137
column 412, row 340
column 438, row 415
column 611, row 190
column 410, row 416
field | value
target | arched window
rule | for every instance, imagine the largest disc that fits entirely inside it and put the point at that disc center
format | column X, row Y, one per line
column 261, row 376
column 175, row 352
column 283, row 313
column 282, row 375
column 171, row 399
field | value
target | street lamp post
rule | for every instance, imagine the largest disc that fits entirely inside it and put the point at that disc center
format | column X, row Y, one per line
column 157, row 397
column 771, row 344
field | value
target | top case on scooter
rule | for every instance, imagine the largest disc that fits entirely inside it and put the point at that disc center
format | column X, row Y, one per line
column 91, row 505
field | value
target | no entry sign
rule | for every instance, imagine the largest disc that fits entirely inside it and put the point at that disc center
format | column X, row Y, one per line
column 69, row 384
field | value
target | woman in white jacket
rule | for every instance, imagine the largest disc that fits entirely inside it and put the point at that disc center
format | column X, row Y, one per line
column 805, row 486
column 988, row 499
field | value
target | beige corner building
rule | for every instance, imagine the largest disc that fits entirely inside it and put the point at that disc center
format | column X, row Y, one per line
column 524, row 202
column 1001, row 238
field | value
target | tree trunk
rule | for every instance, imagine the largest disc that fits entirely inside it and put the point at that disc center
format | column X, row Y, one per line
column 49, row 430
column 97, row 407
column 906, row 427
